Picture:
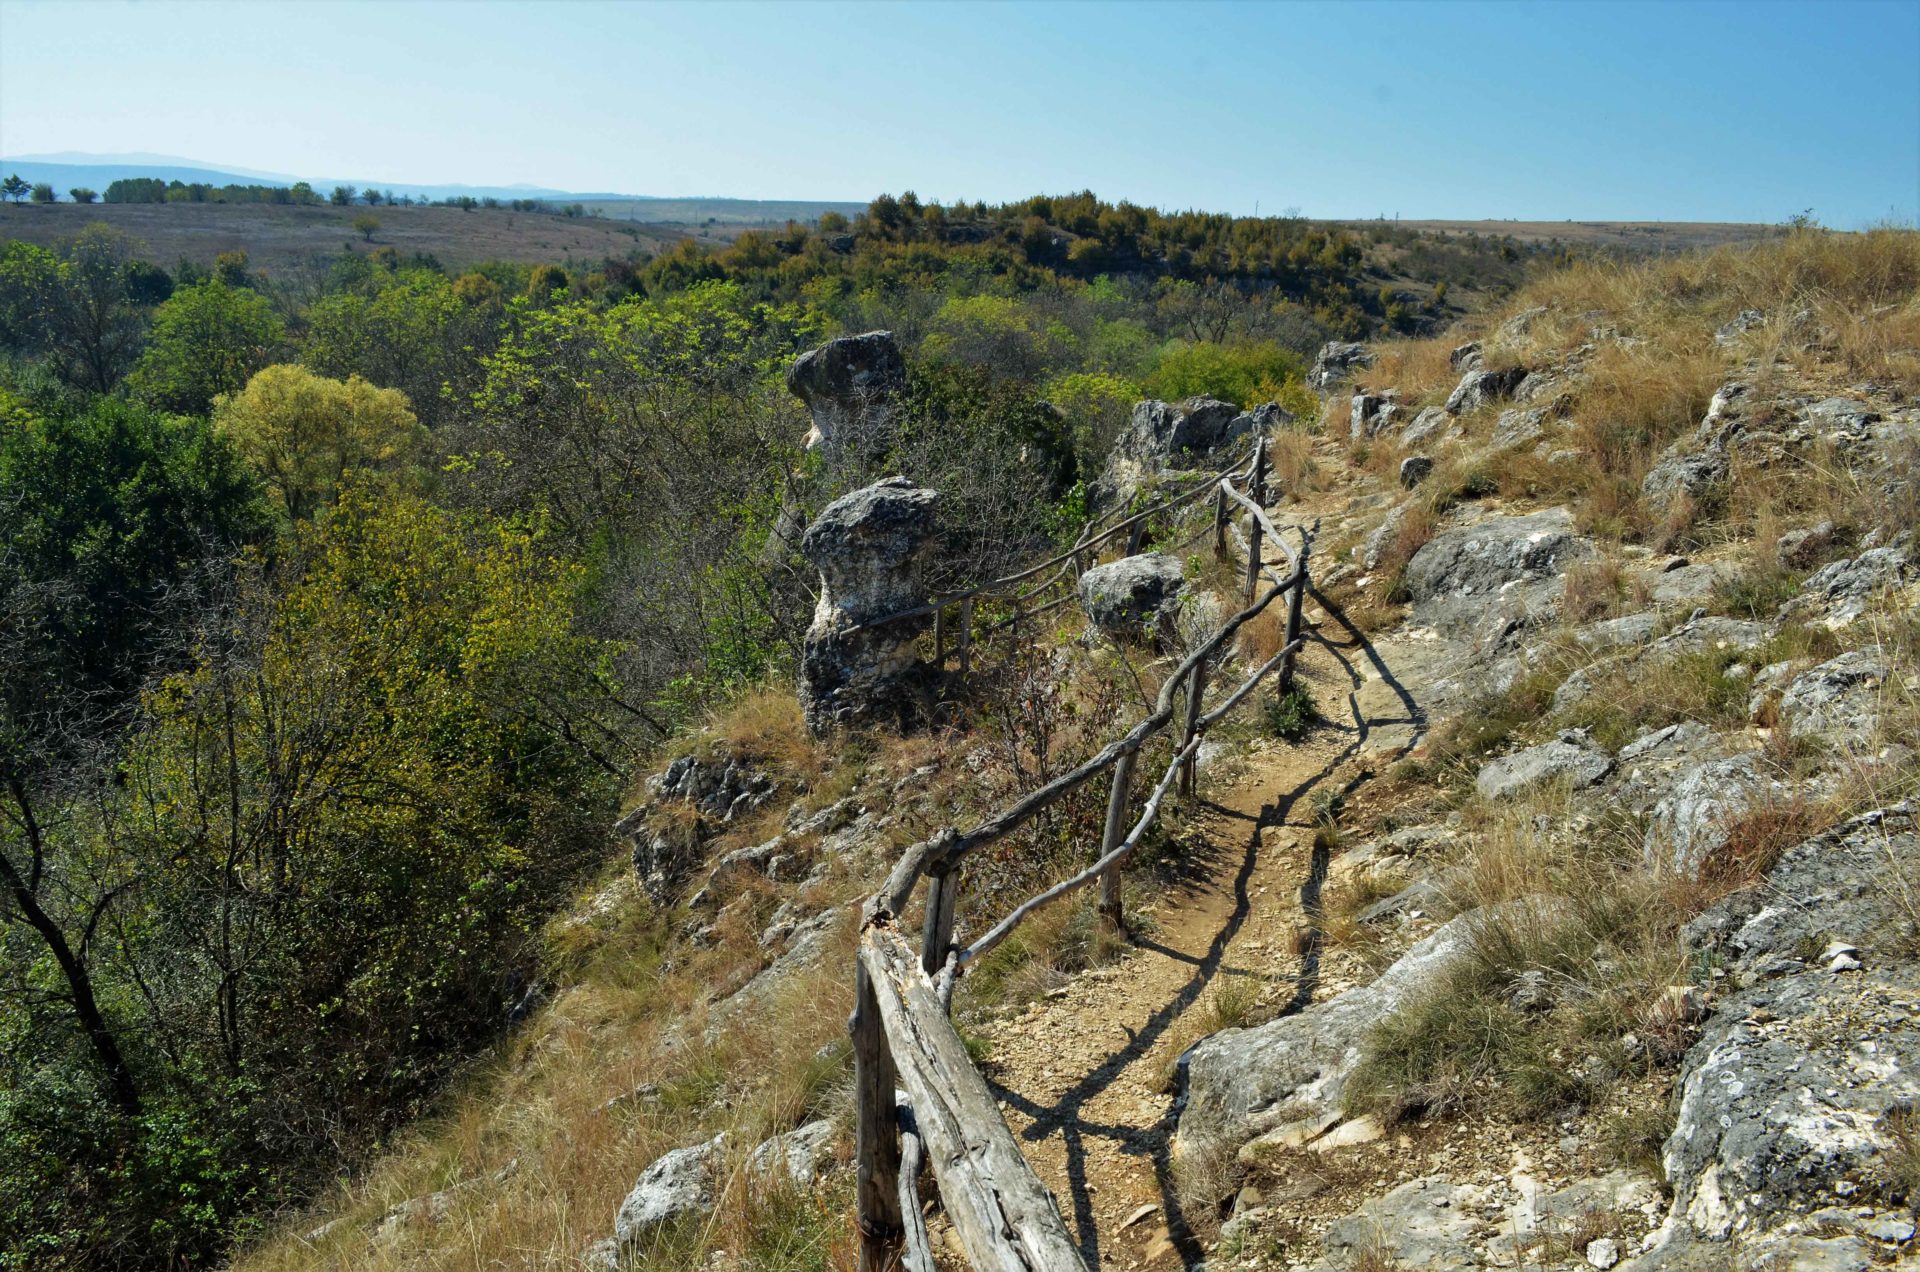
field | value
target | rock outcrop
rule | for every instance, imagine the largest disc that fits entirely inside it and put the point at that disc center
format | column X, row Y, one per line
column 1501, row 567
column 1795, row 1100
column 1134, row 596
column 1373, row 413
column 1285, row 1079
column 1163, row 436
column 870, row 547
column 1336, row 362
column 1480, row 386
column 1571, row 758
column 850, row 386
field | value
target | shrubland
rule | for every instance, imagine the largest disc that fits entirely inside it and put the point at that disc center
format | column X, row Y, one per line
column 341, row 607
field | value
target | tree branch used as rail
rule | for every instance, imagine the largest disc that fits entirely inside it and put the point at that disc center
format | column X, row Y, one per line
column 949, row 845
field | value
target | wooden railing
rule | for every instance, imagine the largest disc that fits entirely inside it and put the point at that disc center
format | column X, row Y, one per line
column 1030, row 595
column 903, row 1034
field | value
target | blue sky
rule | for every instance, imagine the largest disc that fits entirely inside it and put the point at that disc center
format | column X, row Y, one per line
column 1670, row 111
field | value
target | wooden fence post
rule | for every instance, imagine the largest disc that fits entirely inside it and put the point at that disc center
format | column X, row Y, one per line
column 1257, row 489
column 1134, row 536
column 1116, row 831
column 1196, row 688
column 966, row 635
column 1294, row 601
column 936, row 934
column 1220, row 521
column 876, row 1131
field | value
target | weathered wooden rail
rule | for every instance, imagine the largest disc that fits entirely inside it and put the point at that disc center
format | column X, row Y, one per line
column 955, row 633
column 903, row 1034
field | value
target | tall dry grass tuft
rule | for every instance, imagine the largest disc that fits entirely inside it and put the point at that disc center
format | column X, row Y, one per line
column 1418, row 368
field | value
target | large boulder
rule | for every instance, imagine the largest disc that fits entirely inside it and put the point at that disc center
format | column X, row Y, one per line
column 1163, row 436
column 1503, row 567
column 1285, row 1079
column 1135, row 595
column 677, row 1186
column 850, row 386
column 870, row 548
column 1570, row 758
column 1336, row 362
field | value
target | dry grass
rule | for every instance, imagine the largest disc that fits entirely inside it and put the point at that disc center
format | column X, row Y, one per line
column 1418, row 368
column 1292, row 466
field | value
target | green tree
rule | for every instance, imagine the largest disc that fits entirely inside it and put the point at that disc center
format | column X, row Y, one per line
column 14, row 188
column 305, row 434
column 366, row 225
column 343, row 195
column 411, row 330
column 81, row 194
column 208, row 339
column 79, row 307
column 1244, row 374
column 43, row 193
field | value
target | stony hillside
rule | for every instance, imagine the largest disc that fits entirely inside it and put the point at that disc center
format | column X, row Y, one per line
column 1575, row 927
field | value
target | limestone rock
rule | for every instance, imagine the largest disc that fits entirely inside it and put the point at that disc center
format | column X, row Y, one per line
column 1842, row 591
column 1179, row 435
column 720, row 787
column 1134, row 595
column 1337, row 360
column 1242, row 1083
column 1690, row 823
column 676, row 1186
column 1785, row 1102
column 1466, row 357
column 1373, row 413
column 1739, row 325
column 1831, row 888
column 870, row 547
column 1571, row 758
column 1500, row 565
column 1479, row 387
column 1798, row 549
column 803, row 1155
column 1838, row 701
column 1426, row 425
column 850, row 386
column 1414, row 470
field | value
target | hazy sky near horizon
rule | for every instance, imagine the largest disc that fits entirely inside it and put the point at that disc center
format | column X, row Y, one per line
column 1669, row 111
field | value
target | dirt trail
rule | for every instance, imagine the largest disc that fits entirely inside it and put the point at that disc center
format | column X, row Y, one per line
column 1083, row 1075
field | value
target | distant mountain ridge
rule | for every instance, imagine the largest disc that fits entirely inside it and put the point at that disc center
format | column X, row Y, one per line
column 66, row 170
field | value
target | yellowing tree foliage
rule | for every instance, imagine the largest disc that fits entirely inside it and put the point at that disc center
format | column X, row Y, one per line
column 304, row 433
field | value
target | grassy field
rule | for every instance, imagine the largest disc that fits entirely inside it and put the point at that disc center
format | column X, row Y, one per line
column 1631, row 236
column 279, row 237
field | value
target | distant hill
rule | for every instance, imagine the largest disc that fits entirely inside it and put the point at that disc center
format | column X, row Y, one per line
column 66, row 170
